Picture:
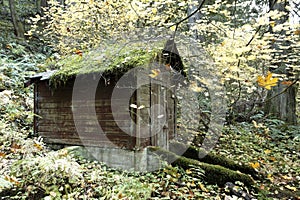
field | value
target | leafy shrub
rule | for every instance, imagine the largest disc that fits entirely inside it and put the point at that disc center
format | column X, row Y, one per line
column 56, row 174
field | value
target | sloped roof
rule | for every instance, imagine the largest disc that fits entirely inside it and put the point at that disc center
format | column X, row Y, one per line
column 111, row 60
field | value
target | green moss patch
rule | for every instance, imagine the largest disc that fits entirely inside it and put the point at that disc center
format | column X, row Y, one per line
column 113, row 60
column 211, row 158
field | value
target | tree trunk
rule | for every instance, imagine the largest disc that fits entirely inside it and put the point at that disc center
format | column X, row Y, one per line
column 40, row 4
column 282, row 106
column 193, row 19
column 18, row 25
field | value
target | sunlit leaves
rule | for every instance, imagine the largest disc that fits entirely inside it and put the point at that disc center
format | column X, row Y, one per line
column 136, row 107
column 294, row 189
column 91, row 22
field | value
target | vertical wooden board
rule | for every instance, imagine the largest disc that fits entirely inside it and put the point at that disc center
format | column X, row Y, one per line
column 163, row 125
column 171, row 106
column 142, row 111
column 154, row 113
column 35, row 108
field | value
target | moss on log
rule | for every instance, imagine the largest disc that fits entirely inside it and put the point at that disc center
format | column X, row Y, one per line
column 195, row 153
column 214, row 174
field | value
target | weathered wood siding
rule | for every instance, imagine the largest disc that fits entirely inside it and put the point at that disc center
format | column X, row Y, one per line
column 55, row 120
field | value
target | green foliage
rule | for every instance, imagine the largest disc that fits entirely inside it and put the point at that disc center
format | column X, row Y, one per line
column 175, row 182
column 16, row 101
column 58, row 174
column 4, row 183
column 270, row 146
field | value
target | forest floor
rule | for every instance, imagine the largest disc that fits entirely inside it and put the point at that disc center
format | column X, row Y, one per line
column 29, row 169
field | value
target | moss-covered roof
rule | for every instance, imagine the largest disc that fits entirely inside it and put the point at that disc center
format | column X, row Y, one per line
column 109, row 61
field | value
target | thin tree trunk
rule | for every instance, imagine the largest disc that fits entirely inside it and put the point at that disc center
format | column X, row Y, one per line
column 40, row 4
column 192, row 20
column 19, row 27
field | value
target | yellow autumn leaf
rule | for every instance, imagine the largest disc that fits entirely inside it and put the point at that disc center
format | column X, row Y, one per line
column 267, row 82
column 270, row 177
column 155, row 73
column 272, row 158
column 173, row 28
column 192, row 184
column 272, row 23
column 267, row 151
column 154, row 11
column 202, row 187
column 11, row 179
column 2, row 154
column 38, row 146
column 255, row 165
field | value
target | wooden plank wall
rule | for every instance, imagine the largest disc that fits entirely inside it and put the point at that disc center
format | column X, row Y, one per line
column 56, row 122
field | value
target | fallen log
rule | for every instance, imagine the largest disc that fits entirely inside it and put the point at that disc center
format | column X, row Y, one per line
column 210, row 158
column 214, row 174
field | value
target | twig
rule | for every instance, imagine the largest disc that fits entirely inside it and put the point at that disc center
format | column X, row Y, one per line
column 182, row 20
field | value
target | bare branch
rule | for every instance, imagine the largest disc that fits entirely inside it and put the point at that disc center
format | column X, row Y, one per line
column 186, row 18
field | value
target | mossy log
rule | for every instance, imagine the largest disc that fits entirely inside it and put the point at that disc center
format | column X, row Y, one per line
column 195, row 153
column 214, row 174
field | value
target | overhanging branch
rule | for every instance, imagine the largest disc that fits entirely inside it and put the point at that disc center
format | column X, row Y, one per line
column 186, row 18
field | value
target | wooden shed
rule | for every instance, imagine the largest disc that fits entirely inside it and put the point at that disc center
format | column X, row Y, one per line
column 145, row 118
